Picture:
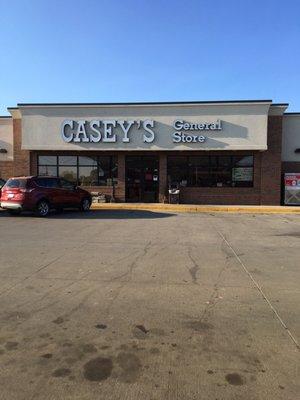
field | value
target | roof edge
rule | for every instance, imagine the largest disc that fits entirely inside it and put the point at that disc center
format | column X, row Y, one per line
column 143, row 103
column 14, row 111
column 279, row 104
column 278, row 108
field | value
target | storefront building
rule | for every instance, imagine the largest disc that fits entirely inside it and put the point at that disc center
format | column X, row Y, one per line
column 231, row 152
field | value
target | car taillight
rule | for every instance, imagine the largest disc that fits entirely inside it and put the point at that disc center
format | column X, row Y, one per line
column 26, row 190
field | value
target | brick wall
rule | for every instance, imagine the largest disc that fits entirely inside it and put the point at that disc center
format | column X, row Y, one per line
column 21, row 163
column 290, row 166
column 33, row 163
column 271, row 163
column 6, row 169
column 21, row 157
column 6, row 142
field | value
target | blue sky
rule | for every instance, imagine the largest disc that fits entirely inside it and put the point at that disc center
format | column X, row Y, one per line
column 130, row 50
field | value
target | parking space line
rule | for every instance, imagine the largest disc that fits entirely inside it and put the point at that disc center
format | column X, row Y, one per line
column 259, row 289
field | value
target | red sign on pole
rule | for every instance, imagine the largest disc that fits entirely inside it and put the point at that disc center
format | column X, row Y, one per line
column 292, row 180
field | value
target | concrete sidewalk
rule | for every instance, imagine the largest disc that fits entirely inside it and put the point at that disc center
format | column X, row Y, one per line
column 193, row 208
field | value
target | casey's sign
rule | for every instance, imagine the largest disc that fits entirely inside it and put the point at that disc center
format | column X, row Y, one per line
column 112, row 131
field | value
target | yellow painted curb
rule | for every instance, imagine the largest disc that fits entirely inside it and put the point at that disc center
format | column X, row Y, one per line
column 191, row 208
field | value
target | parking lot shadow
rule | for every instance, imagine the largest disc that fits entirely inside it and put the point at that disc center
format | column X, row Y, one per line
column 98, row 214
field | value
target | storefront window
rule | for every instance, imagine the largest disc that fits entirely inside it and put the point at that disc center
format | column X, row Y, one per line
column 82, row 160
column 69, row 173
column 243, row 161
column 89, row 171
column 104, row 170
column 114, row 169
column 199, row 171
column 47, row 170
column 47, row 160
column 211, row 171
column 221, row 171
column 88, row 176
column 242, row 171
column 67, row 160
column 178, row 170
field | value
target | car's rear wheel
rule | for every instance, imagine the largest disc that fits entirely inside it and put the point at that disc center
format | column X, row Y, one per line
column 14, row 212
column 42, row 208
column 85, row 205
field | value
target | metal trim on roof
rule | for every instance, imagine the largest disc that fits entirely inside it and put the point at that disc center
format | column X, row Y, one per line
column 143, row 103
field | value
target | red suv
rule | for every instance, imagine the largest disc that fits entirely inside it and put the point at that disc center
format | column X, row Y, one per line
column 41, row 194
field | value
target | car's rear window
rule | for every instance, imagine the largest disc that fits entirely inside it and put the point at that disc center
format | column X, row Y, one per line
column 16, row 183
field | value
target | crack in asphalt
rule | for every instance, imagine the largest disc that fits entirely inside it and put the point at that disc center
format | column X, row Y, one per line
column 41, row 268
column 131, row 268
column 214, row 297
column 195, row 268
column 31, row 275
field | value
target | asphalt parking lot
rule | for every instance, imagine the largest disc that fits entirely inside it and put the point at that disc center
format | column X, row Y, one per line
column 149, row 305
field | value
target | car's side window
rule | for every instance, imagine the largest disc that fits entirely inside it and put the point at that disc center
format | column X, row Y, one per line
column 66, row 184
column 52, row 183
column 47, row 182
column 41, row 182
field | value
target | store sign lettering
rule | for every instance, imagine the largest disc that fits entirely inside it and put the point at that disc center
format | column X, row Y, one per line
column 180, row 125
column 180, row 136
column 95, row 131
column 104, row 131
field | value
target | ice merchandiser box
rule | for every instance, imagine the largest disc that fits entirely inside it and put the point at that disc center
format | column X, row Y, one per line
column 292, row 189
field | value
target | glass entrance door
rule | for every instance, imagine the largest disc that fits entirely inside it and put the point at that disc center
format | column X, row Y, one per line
column 142, row 179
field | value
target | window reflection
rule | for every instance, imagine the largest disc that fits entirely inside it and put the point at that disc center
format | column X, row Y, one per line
column 69, row 173
column 47, row 170
column 67, row 160
column 88, row 176
column 88, row 170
